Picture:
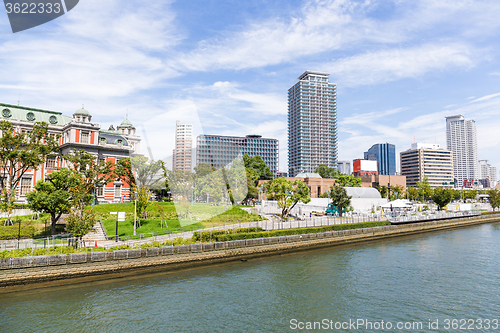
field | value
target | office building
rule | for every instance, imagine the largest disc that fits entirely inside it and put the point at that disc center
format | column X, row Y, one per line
column 461, row 140
column 344, row 167
column 312, row 123
column 385, row 155
column 220, row 151
column 183, row 152
column 78, row 132
column 427, row 160
column 364, row 168
column 487, row 174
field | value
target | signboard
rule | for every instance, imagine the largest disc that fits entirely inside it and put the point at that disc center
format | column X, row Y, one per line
column 120, row 217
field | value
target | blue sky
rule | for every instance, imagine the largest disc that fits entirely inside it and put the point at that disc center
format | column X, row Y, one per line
column 226, row 66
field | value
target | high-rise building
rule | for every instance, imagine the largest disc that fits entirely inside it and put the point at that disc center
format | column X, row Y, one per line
column 219, row 151
column 487, row 172
column 344, row 167
column 427, row 160
column 312, row 123
column 385, row 155
column 183, row 152
column 461, row 140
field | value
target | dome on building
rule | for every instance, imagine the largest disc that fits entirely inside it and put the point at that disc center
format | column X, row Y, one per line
column 363, row 192
column 127, row 123
column 82, row 111
column 308, row 175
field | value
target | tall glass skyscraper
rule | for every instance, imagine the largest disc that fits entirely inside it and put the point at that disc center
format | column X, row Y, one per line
column 385, row 155
column 312, row 123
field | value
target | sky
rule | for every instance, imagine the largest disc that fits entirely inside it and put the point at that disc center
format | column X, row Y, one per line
column 225, row 66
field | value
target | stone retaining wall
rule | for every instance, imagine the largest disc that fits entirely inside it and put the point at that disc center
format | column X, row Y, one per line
column 25, row 270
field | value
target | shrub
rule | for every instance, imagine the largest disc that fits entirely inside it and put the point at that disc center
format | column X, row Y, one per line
column 12, row 231
column 222, row 235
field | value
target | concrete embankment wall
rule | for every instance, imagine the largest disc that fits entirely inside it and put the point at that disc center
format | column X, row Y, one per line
column 73, row 268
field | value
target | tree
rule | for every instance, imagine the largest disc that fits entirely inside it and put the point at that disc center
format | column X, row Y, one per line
column 147, row 172
column 441, row 197
column 494, row 198
column 203, row 169
column 346, row 180
column 52, row 195
column 288, row 194
column 93, row 172
column 412, row 193
column 424, row 188
column 143, row 197
column 20, row 152
column 384, row 191
column 398, row 191
column 80, row 221
column 236, row 181
column 339, row 198
column 257, row 164
column 325, row 172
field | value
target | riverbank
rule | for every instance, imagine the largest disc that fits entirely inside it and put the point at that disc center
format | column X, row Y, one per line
column 141, row 261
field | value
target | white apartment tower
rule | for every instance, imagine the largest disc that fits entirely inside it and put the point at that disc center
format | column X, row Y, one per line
column 183, row 152
column 489, row 172
column 461, row 139
column 312, row 123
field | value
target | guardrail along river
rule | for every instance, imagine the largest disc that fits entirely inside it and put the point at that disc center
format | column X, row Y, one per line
column 440, row 282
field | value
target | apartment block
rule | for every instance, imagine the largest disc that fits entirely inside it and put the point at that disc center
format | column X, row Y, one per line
column 312, row 123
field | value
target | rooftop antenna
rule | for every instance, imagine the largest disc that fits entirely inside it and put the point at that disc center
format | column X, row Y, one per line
column 18, row 99
column 414, row 139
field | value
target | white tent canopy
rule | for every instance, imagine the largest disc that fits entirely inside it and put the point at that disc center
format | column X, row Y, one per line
column 399, row 203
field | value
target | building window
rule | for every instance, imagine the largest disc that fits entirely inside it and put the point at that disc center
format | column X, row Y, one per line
column 100, row 191
column 25, row 186
column 102, row 141
column 85, row 137
column 118, row 191
column 50, row 162
column 120, row 142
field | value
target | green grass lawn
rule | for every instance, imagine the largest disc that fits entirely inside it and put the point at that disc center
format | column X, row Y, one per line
column 200, row 216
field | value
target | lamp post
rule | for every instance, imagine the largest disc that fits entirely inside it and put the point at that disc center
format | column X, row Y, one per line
column 135, row 212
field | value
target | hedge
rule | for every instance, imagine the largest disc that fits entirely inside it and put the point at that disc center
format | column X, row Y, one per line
column 12, row 231
column 229, row 235
column 208, row 236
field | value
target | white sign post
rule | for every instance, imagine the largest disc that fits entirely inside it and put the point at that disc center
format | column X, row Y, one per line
column 120, row 216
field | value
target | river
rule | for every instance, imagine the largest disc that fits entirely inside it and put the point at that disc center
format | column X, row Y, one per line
column 431, row 282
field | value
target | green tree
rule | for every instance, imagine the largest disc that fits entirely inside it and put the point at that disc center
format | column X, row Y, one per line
column 441, row 197
column 424, row 188
column 494, row 198
column 52, row 195
column 236, row 180
column 326, row 172
column 203, row 169
column 412, row 193
column 339, row 198
column 147, row 172
column 346, row 180
column 92, row 171
column 80, row 221
column 288, row 194
column 471, row 194
column 398, row 191
column 384, row 191
column 20, row 152
column 143, row 199
column 257, row 164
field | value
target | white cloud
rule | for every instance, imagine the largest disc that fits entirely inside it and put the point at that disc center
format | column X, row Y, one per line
column 395, row 64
